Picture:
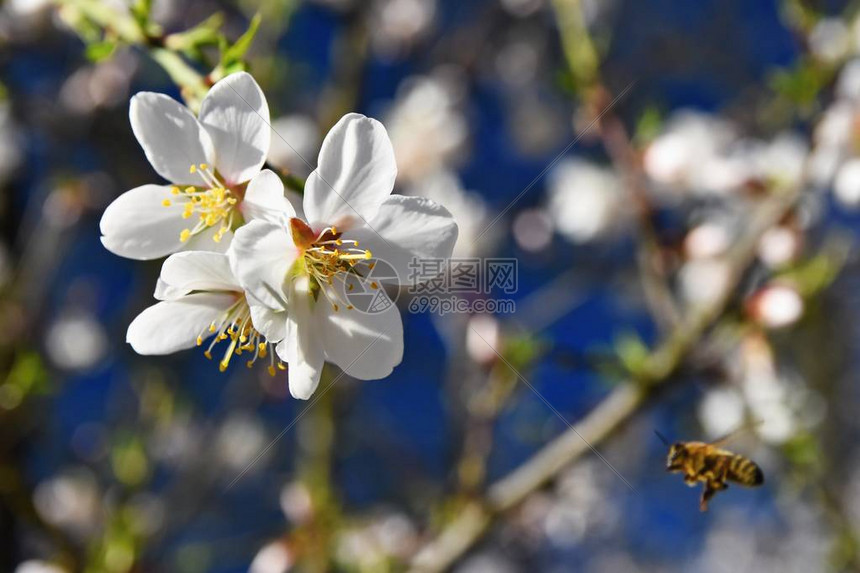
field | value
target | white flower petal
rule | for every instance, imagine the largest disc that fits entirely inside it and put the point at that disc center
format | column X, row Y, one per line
column 164, row 291
column 260, row 256
column 205, row 241
column 199, row 270
column 301, row 347
column 354, row 174
column 366, row 346
column 296, row 201
column 174, row 325
column 236, row 115
column 138, row 226
column 271, row 324
column 405, row 229
column 170, row 135
column 265, row 199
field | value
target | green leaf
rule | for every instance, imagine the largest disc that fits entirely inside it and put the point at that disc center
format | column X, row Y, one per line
column 99, row 51
column 141, row 10
column 632, row 352
column 232, row 58
column 206, row 33
column 649, row 125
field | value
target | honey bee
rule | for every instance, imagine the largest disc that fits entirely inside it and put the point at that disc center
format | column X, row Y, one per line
column 708, row 463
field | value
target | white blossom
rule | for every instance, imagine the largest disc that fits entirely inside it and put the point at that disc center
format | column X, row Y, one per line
column 208, row 159
column 201, row 299
column 307, row 266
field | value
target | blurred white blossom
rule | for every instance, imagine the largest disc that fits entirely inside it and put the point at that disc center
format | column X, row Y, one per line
column 399, row 24
column 76, row 341
column 721, row 411
column 585, row 200
column 533, row 229
column 294, row 144
column 765, row 389
column 691, row 154
column 70, row 500
column 776, row 306
column 830, row 39
column 779, row 246
column 846, row 186
column 483, row 336
column 296, row 502
column 272, row 558
column 426, row 125
column 34, row 566
column 240, row 441
column 102, row 85
column 707, row 240
column 10, row 142
column 468, row 208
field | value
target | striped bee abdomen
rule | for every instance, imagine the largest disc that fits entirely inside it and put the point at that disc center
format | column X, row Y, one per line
column 745, row 471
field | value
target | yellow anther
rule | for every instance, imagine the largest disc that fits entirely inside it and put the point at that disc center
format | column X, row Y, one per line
column 349, row 307
column 368, row 254
column 350, row 287
column 184, row 235
column 192, row 169
column 222, row 366
column 271, row 370
column 333, row 230
column 373, row 285
column 166, row 203
column 208, row 355
column 203, row 167
column 281, row 366
column 175, row 190
column 335, row 307
column 249, row 363
column 199, row 340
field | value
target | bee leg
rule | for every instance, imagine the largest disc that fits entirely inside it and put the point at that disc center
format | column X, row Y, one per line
column 711, row 488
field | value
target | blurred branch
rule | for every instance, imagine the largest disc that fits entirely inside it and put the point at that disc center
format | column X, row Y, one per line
column 608, row 416
column 316, row 439
column 583, row 64
column 124, row 27
column 103, row 26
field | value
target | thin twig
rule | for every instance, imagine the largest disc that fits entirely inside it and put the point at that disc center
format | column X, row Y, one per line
column 465, row 530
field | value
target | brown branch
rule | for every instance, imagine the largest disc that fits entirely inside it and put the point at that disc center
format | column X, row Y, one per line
column 474, row 520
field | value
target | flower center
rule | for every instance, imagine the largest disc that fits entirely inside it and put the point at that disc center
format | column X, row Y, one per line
column 328, row 258
column 235, row 325
column 213, row 204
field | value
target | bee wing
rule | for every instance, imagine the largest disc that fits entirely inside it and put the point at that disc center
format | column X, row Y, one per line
column 722, row 441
